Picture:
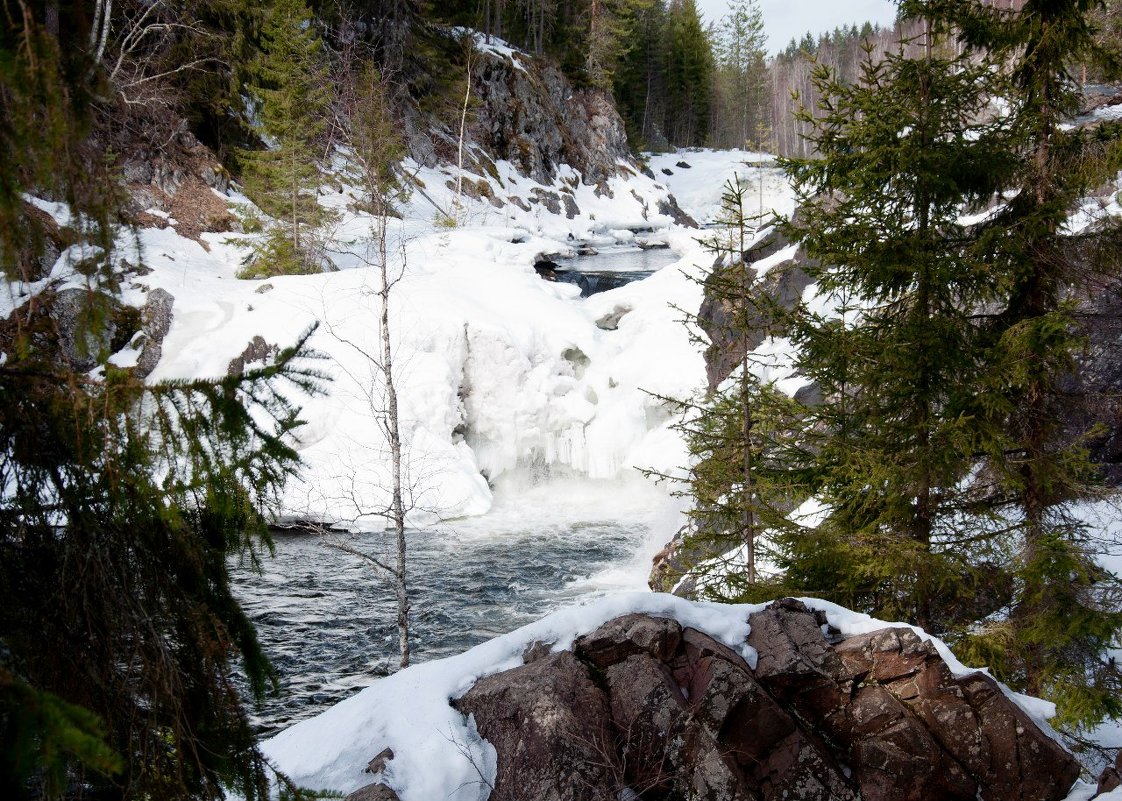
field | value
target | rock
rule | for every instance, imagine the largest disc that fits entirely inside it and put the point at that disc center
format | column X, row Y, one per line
column 782, row 289
column 535, row 651
column 373, row 792
column 683, row 165
column 550, row 725
column 1111, row 777
column 528, row 113
column 378, row 763
column 610, row 321
column 645, row 707
column 155, row 322
column 671, row 209
column 625, row 636
column 571, row 207
column 81, row 343
column 913, row 729
column 258, row 350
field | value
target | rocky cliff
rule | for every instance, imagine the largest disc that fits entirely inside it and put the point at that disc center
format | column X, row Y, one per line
column 524, row 110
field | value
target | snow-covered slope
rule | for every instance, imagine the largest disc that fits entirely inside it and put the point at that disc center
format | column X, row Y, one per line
column 497, row 369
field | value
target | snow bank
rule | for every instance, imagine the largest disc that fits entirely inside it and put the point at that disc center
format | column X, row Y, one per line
column 698, row 186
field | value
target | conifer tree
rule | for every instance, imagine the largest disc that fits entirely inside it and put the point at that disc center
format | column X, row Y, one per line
column 1066, row 612
column 121, row 501
column 292, row 113
column 901, row 153
column 746, row 458
column 740, row 86
column 689, row 76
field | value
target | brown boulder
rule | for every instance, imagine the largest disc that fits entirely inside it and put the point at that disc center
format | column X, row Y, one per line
column 913, row 729
column 645, row 707
column 631, row 634
column 549, row 724
column 1111, row 777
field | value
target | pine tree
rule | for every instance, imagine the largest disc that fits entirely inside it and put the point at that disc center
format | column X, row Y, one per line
column 689, row 76
column 741, row 95
column 292, row 113
column 640, row 79
column 741, row 436
column 901, row 153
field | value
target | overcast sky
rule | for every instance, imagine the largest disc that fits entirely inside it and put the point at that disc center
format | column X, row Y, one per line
column 787, row 19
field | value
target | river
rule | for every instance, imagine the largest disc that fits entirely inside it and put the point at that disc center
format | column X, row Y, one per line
column 327, row 621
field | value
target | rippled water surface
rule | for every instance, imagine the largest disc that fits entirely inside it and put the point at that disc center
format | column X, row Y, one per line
column 328, row 622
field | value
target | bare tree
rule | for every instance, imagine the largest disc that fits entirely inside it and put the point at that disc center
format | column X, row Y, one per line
column 367, row 130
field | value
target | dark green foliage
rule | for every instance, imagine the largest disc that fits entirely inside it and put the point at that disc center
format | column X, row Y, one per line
column 748, row 465
column 292, row 111
column 121, row 501
column 46, row 93
column 741, row 113
column 900, row 156
column 124, row 503
column 639, row 83
column 1066, row 611
column 689, row 76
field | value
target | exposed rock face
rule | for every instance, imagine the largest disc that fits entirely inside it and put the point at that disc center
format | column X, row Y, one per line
column 782, row 287
column 550, row 724
column 155, row 322
column 184, row 180
column 642, row 706
column 531, row 115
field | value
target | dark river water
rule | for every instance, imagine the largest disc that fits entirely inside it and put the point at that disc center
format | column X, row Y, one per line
column 612, row 268
column 327, row 620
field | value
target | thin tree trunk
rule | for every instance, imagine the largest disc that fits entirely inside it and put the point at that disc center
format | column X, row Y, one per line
column 393, row 430
column 463, row 127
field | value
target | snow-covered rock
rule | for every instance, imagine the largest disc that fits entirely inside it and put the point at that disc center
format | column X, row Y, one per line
column 707, row 696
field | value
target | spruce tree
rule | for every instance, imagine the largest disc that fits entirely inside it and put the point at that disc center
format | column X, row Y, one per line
column 742, row 95
column 689, row 76
column 1065, row 614
column 292, row 113
column 746, row 459
column 121, row 501
column 900, row 154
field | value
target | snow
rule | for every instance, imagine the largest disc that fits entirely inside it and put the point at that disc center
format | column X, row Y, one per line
column 698, row 187
column 499, row 374
column 436, row 749
column 438, row 753
column 497, row 371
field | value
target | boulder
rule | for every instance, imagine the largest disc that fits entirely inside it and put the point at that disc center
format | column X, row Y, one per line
column 912, row 727
column 155, row 322
column 1111, row 777
column 643, row 707
column 373, row 792
column 550, row 725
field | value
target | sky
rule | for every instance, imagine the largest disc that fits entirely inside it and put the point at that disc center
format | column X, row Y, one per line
column 787, row 19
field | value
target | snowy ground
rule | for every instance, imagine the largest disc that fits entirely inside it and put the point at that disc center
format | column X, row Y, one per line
column 501, row 375
column 498, row 370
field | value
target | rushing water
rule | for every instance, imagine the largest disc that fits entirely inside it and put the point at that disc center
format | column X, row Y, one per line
column 328, row 622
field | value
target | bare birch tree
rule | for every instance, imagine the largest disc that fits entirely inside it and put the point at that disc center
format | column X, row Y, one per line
column 367, row 130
